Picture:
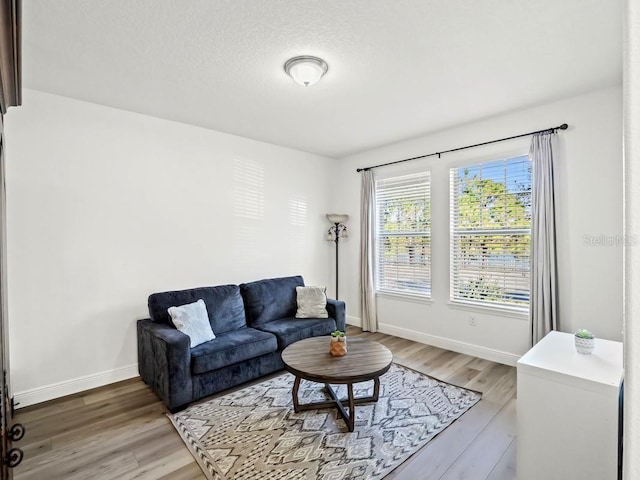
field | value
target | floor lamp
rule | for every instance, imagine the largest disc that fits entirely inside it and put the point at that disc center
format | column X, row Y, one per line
column 337, row 231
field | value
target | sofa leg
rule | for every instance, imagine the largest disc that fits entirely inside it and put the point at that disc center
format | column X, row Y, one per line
column 178, row 409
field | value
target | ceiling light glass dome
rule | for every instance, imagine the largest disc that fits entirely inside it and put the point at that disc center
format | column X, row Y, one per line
column 306, row 70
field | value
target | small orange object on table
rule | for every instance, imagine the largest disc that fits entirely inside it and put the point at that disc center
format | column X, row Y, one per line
column 338, row 346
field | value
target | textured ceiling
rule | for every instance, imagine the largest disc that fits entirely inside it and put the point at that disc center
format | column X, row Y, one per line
column 397, row 68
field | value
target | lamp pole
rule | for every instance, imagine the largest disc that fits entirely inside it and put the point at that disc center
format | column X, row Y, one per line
column 337, row 240
column 339, row 229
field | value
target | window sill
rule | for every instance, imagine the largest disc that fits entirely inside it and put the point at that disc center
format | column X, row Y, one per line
column 407, row 297
column 503, row 312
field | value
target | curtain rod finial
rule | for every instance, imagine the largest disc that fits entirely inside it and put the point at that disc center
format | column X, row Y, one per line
column 564, row 126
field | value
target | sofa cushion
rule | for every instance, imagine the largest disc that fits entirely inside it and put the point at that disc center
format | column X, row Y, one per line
column 289, row 330
column 231, row 347
column 192, row 320
column 271, row 299
column 224, row 306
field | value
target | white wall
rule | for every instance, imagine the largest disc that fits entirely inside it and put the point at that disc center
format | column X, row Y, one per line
column 632, row 255
column 107, row 206
column 589, row 175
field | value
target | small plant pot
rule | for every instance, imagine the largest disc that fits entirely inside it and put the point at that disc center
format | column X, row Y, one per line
column 585, row 345
column 338, row 346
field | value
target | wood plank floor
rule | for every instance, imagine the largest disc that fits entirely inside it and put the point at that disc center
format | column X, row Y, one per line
column 120, row 431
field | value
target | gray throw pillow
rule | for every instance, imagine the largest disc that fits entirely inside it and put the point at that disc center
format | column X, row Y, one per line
column 312, row 302
column 192, row 320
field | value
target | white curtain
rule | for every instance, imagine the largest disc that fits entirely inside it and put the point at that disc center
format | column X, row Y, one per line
column 369, row 318
column 544, row 283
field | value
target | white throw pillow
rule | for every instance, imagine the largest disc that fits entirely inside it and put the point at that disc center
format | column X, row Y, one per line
column 312, row 302
column 192, row 320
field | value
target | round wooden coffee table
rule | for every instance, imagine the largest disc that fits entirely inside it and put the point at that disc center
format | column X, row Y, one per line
column 310, row 359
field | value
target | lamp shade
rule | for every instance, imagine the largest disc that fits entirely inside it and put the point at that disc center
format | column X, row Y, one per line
column 337, row 217
column 306, row 70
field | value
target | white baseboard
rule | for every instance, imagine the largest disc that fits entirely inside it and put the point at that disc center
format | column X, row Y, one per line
column 61, row 389
column 355, row 321
column 497, row 356
column 491, row 354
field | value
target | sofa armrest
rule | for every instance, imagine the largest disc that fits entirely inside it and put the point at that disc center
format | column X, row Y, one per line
column 336, row 309
column 164, row 362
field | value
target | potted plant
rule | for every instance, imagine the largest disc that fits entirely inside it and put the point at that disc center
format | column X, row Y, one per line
column 585, row 341
column 338, row 346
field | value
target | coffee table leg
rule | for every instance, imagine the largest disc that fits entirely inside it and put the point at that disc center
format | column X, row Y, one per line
column 350, row 402
column 296, row 386
column 351, row 420
column 376, row 389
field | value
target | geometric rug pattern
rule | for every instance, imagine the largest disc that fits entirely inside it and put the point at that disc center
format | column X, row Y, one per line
column 254, row 434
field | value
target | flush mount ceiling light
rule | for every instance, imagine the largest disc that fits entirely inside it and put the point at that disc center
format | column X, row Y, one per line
column 306, row 70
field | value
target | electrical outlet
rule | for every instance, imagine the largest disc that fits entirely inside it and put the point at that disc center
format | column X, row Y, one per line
column 472, row 321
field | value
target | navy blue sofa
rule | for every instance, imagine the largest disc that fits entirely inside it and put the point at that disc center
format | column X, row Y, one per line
column 253, row 323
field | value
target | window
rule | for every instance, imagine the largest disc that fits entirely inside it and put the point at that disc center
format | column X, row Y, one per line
column 491, row 233
column 404, row 235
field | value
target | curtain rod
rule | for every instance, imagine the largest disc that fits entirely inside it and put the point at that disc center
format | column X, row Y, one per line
column 564, row 126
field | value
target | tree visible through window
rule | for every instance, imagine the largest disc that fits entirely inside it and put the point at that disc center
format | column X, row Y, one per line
column 404, row 234
column 491, row 233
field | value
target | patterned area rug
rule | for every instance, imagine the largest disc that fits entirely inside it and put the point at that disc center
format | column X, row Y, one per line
column 253, row 433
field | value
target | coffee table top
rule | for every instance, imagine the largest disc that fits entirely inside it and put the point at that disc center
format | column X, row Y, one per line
column 310, row 359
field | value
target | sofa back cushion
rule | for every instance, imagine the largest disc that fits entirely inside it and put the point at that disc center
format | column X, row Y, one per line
column 224, row 306
column 271, row 299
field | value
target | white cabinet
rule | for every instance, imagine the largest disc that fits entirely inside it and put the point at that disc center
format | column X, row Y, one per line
column 567, row 408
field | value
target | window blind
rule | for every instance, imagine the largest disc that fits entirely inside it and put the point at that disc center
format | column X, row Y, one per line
column 403, row 208
column 490, row 215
